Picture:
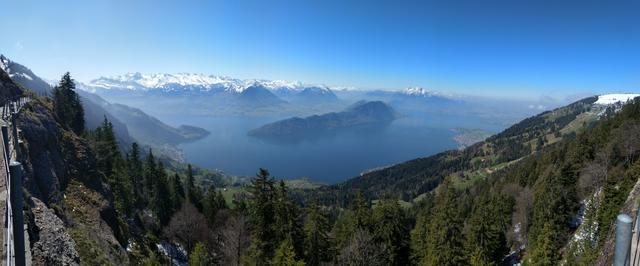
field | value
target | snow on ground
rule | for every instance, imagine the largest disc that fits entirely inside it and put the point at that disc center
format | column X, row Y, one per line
column 607, row 99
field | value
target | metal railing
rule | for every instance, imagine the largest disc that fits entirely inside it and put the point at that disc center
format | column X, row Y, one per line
column 14, row 244
column 627, row 242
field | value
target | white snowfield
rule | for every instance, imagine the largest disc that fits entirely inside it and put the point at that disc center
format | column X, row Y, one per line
column 607, row 99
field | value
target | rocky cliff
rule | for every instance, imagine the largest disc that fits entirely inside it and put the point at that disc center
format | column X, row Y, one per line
column 60, row 177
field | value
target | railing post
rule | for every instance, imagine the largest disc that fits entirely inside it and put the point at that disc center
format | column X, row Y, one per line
column 5, row 140
column 14, row 128
column 623, row 240
column 15, row 169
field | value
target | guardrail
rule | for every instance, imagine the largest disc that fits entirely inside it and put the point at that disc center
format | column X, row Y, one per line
column 14, row 220
column 627, row 242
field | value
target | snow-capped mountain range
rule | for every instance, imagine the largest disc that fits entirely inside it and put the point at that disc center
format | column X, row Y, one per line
column 212, row 83
column 198, row 82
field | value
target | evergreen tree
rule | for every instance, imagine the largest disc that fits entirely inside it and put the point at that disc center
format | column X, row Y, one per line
column 123, row 189
column 194, row 193
column 150, row 173
column 177, row 191
column 486, row 240
column 67, row 105
column 213, row 202
column 444, row 242
column 362, row 212
column 286, row 219
column 317, row 246
column 285, row 255
column 419, row 236
column 106, row 148
column 545, row 251
column 161, row 199
column 134, row 164
column 343, row 230
column 389, row 229
column 199, row 256
column 261, row 218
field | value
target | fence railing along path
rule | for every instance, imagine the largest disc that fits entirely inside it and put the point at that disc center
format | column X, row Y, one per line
column 627, row 242
column 11, row 185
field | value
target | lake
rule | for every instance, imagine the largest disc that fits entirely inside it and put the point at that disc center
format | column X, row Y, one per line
column 328, row 159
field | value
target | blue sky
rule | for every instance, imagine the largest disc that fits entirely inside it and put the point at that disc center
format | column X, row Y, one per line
column 509, row 48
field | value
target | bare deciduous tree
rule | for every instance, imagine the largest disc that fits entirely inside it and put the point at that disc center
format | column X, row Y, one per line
column 234, row 237
column 188, row 226
column 363, row 250
column 629, row 142
column 594, row 174
column 517, row 235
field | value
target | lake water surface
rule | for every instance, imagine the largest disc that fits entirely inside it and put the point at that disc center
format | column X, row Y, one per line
column 327, row 159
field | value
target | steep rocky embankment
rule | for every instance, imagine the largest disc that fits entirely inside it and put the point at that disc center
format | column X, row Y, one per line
column 60, row 178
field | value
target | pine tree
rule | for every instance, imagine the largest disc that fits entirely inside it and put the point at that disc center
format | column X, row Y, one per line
column 486, row 240
column 285, row 255
column 123, row 189
column 177, row 191
column 199, row 256
column 213, row 202
column 106, row 147
column 193, row 191
column 317, row 246
column 362, row 212
column 419, row 236
column 343, row 230
column 286, row 219
column 150, row 173
column 545, row 252
column 444, row 242
column 389, row 229
column 261, row 218
column 161, row 200
column 67, row 105
column 135, row 167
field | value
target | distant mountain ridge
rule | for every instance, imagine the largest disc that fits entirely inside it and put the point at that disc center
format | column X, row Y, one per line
column 200, row 83
column 362, row 113
column 130, row 124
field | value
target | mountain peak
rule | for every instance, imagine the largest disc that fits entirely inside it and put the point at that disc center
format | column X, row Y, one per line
column 4, row 63
column 422, row 92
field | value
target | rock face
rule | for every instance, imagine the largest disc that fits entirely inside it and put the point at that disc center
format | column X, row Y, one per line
column 45, row 168
column 59, row 171
column 53, row 245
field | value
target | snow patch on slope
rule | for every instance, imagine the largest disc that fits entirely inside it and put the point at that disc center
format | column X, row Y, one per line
column 607, row 99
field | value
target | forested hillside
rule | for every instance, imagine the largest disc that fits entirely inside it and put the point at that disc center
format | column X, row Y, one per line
column 413, row 178
column 531, row 205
